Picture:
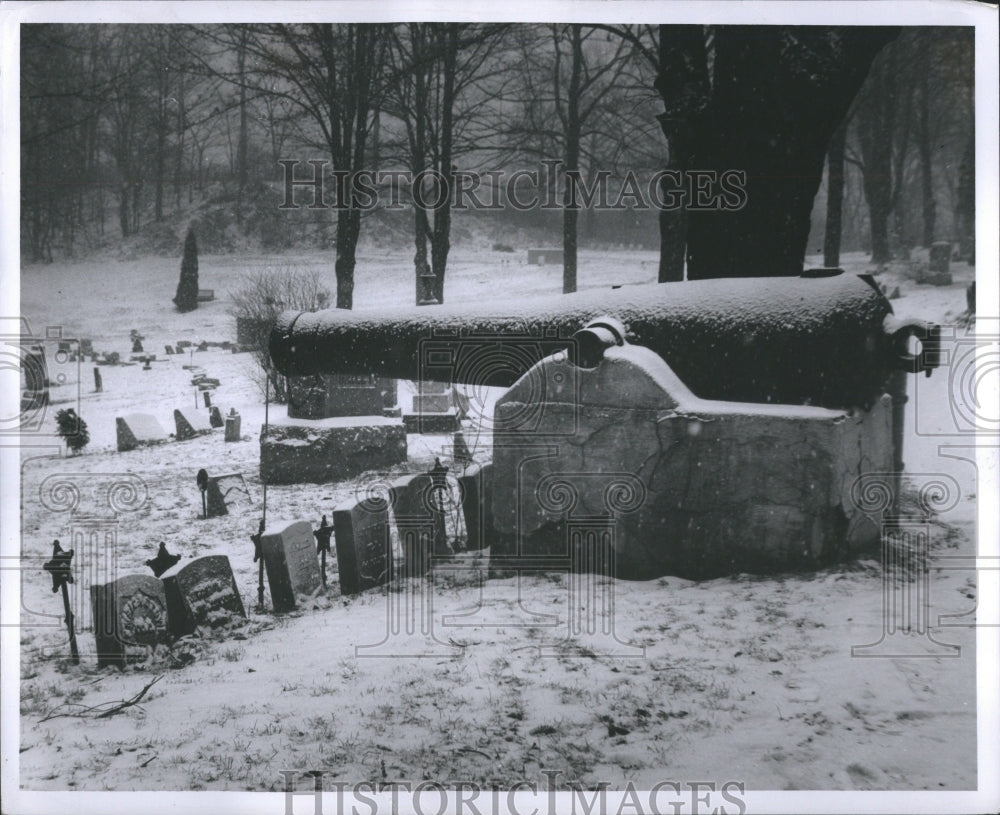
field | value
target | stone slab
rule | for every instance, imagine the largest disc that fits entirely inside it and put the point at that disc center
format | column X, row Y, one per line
column 130, row 618
column 139, row 429
column 364, row 548
column 233, row 427
column 295, row 451
column 432, row 422
column 417, row 523
column 191, row 423
column 477, row 505
column 290, row 563
column 329, row 395
column 201, row 593
column 431, row 402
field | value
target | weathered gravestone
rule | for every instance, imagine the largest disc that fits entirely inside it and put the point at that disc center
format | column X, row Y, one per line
column 326, row 395
column 290, row 561
column 138, row 429
column 417, row 522
column 334, row 429
column 215, row 415
column 190, row 424
column 364, row 548
column 233, row 422
column 433, row 409
column 130, row 617
column 202, row 593
column 207, row 395
column 477, row 505
column 293, row 451
column 939, row 273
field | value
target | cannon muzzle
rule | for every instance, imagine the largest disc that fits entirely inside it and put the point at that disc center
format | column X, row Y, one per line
column 819, row 339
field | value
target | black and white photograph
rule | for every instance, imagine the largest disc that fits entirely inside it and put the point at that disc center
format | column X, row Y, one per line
column 566, row 407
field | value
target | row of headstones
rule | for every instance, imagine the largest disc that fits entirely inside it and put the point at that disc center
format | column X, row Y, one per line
column 183, row 345
column 137, row 612
column 141, row 429
column 362, row 536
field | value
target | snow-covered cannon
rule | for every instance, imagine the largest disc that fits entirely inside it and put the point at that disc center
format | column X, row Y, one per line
column 693, row 428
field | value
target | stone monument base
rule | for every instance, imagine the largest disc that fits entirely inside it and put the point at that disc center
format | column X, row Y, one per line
column 295, row 451
column 444, row 422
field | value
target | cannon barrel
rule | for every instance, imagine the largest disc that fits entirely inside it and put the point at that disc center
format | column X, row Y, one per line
column 819, row 339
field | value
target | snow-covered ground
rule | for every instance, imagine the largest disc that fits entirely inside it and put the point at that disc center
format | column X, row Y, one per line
column 744, row 678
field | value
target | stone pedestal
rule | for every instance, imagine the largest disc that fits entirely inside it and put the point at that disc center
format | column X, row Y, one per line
column 294, row 451
column 233, row 426
column 624, row 454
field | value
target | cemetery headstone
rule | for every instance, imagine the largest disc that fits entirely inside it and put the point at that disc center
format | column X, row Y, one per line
column 207, row 395
column 233, row 422
column 87, row 348
column 98, row 381
column 364, row 551
column 138, row 429
column 939, row 273
column 169, row 350
column 216, row 501
column 189, row 424
column 215, row 416
column 416, row 521
column 290, row 562
column 130, row 618
column 327, row 395
column 137, row 347
column 202, row 593
column 477, row 505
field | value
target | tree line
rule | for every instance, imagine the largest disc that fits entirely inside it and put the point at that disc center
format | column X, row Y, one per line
column 125, row 126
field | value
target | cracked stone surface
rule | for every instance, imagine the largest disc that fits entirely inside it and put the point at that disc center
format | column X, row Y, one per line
column 295, row 451
column 680, row 485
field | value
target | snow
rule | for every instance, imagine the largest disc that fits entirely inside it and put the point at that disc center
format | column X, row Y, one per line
column 746, row 678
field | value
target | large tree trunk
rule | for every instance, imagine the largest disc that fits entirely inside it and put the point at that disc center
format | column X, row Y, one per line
column 682, row 81
column 571, row 160
column 924, row 148
column 348, row 231
column 441, row 236
column 834, row 197
column 778, row 95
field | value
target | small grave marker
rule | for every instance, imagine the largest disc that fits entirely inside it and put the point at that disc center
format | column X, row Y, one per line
column 364, row 552
column 202, row 593
column 190, row 424
column 477, row 505
column 233, row 422
column 138, row 429
column 130, row 618
column 416, row 521
column 290, row 562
